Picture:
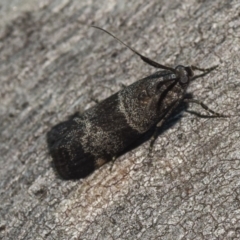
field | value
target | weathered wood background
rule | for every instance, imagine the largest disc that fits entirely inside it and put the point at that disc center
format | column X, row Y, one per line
column 52, row 63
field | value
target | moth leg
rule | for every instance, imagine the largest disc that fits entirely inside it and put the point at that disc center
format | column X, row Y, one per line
column 153, row 139
column 155, row 134
column 159, row 125
column 204, row 106
column 112, row 163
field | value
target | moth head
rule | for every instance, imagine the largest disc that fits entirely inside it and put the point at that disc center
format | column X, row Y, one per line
column 184, row 74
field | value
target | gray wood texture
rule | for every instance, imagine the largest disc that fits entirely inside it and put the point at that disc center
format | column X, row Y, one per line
column 52, row 63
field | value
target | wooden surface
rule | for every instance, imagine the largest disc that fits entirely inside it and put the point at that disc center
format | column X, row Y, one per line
column 52, row 63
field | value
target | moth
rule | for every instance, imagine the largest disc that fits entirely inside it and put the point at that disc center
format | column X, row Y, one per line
column 85, row 142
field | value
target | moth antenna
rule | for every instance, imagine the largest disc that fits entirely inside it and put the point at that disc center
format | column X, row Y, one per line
column 145, row 59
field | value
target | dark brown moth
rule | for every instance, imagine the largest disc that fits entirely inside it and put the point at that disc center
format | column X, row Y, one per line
column 100, row 134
